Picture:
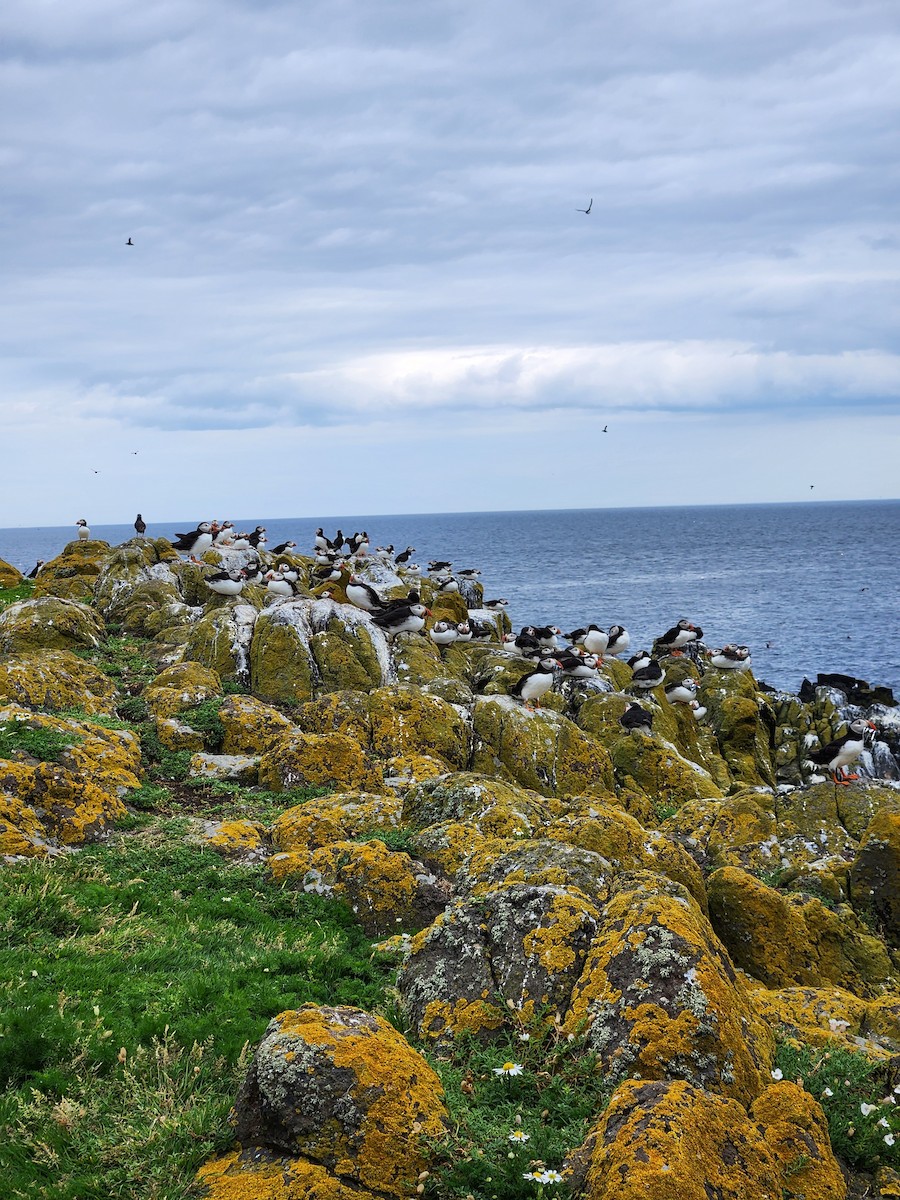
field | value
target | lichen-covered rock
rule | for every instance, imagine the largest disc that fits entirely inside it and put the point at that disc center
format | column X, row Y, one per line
column 73, row 574
column 138, row 588
column 744, row 724
column 406, row 720
column 10, row 576
column 446, row 845
column 260, row 1176
column 674, row 1141
column 388, row 890
column 55, row 679
column 538, row 862
column 655, row 767
column 21, row 832
column 342, row 1088
column 494, row 807
column 738, row 831
column 810, row 830
column 335, row 818
column 875, row 875
column 417, row 660
column 540, row 750
column 180, row 687
column 221, row 640
column 71, row 809
column 659, row 998
column 109, row 758
column 519, row 948
column 304, row 760
column 241, row 839
column 830, row 1017
column 234, row 768
column 814, row 944
column 48, row 623
column 627, row 846
column 251, row 727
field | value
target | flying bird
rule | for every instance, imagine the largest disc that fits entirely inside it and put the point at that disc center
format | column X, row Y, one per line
column 588, row 209
column 129, row 242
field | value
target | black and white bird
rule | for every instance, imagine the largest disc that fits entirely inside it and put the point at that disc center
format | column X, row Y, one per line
column 446, row 583
column 844, row 751
column 364, row 596
column 535, row 684
column 284, row 548
column 730, row 658
column 648, row 677
column 592, row 637
column 83, row 532
column 226, row 583
column 525, row 642
column 469, row 573
column 405, row 555
column 684, row 691
column 36, row 569
column 322, row 542
column 639, row 660
column 674, row 639
column 140, row 525
column 257, row 536
column 619, row 641
column 636, row 717
column 464, row 631
column 496, row 605
column 443, row 633
column 278, row 585
column 195, row 542
column 403, row 618
column 223, row 534
column 437, row 566
column 578, row 666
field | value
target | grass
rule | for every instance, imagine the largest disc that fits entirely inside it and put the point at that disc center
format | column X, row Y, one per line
column 11, row 595
column 123, row 659
column 848, row 1085
column 46, row 745
column 551, row 1105
column 134, row 976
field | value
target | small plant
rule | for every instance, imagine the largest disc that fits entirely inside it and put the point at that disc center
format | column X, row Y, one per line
column 231, row 687
column 133, row 709
column 395, row 839
column 46, row 745
column 21, row 591
column 205, row 719
column 150, row 797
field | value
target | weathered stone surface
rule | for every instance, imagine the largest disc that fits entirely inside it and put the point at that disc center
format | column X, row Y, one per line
column 405, row 720
column 744, row 724
column 656, row 768
column 55, row 679
column 875, row 875
column 10, row 576
column 251, row 727
column 814, row 944
column 831, row 1017
column 659, row 997
column 335, row 818
column 48, row 623
column 73, row 574
column 343, row 1089
column 252, row 1176
column 220, row 639
column 494, row 807
column 738, row 831
column 674, row 1141
column 304, row 760
column 180, row 687
column 238, row 768
column 241, row 839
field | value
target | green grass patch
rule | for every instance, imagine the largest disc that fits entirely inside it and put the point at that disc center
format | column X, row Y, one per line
column 394, row 839
column 132, row 978
column 205, row 719
column 22, row 591
column 123, row 659
column 506, row 1126
column 46, row 745
column 856, row 1095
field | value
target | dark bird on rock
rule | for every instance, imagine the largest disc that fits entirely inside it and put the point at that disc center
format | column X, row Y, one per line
column 636, row 717
column 363, row 596
column 535, row 684
column 284, row 547
column 196, row 541
column 648, row 677
column 140, row 525
column 843, row 751
column 402, row 618
column 36, row 569
column 678, row 636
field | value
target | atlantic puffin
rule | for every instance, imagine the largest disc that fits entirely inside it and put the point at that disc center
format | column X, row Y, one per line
column 437, row 566
column 222, row 533
column 843, row 751
column 464, row 631
column 619, row 641
column 649, row 676
column 495, row 605
column 730, row 658
column 140, row 525
column 639, row 660
column 526, row 642
column 443, row 633
column 678, row 636
column 226, row 583
column 36, row 569
column 405, row 555
column 470, row 573
column 447, row 584
column 83, row 532
column 578, row 666
column 682, row 692
column 363, row 596
column 535, row 684
column 257, row 536
column 278, row 585
column 592, row 637
column 322, row 542
column 404, row 618
column 636, row 717
column 195, row 542
column 284, row 548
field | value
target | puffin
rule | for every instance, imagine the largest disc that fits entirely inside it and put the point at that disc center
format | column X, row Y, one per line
column 619, row 641
column 648, row 677
column 257, row 536
column 578, row 666
column 253, row 572
column 436, row 566
column 322, row 542
column 639, row 660
column 36, row 569
column 291, row 574
column 678, row 636
column 470, row 573
column 682, row 692
column 405, row 555
column 363, row 596
column 337, row 542
column 278, row 585
column 284, row 548
column 636, row 717
column 592, row 637
column 698, row 709
column 83, row 532
column 412, row 569
column 140, row 525
column 496, row 605
column 402, row 618
column 196, row 541
column 464, row 631
column 526, row 642
column 730, row 658
column 223, row 533
column 843, row 751
column 535, row 684
column 447, row 584
column 226, row 583
column 443, row 633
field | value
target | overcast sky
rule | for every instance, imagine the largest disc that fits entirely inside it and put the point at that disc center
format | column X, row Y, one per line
column 359, row 282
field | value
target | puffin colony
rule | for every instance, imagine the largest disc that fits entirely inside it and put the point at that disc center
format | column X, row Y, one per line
column 333, row 577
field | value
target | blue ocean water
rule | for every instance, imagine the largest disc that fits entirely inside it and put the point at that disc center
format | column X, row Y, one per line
column 809, row 587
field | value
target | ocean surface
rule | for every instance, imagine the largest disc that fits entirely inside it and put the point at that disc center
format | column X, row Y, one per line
column 809, row 587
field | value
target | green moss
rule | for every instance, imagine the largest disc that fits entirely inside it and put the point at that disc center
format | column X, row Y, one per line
column 46, row 745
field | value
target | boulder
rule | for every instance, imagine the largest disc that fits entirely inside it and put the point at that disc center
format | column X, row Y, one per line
column 342, row 1089
column 220, row 639
column 180, row 687
column 49, row 623
column 494, row 807
column 875, row 875
column 655, row 767
column 10, row 576
column 738, row 831
column 305, row 760
column 73, row 574
column 251, row 727
column 744, row 724
column 55, row 679
column 406, row 720
column 335, row 818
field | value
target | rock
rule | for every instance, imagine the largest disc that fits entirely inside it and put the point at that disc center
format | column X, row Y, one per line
column 540, row 750
column 56, row 679
column 874, row 881
column 221, row 640
column 239, row 768
column 446, row 846
column 738, row 831
column 21, row 832
column 48, row 623
column 537, row 861
column 242, row 839
column 335, row 818
column 251, row 727
column 389, row 891
column 815, row 945
column 71, row 809
column 659, row 999
column 305, row 760
column 73, row 574
column 181, row 687
column 405, row 720
column 674, row 1141
column 744, row 724
column 830, row 1017
column 10, row 576
column 342, row 1088
column 262, row 1176
column 495, row 808
column 655, row 767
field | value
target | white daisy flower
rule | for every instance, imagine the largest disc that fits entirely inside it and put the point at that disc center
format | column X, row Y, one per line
column 778, row 1073
column 509, row 1068
column 518, row 1136
column 550, row 1177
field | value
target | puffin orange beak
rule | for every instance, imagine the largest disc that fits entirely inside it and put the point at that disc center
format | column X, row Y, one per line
column 430, row 613
column 872, row 725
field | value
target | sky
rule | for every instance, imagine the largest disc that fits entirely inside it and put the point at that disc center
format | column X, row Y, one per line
column 360, row 283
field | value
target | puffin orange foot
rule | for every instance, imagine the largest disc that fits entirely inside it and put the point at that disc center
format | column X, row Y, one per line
column 847, row 778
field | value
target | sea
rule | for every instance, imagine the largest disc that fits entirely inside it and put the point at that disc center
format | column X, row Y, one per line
column 808, row 587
